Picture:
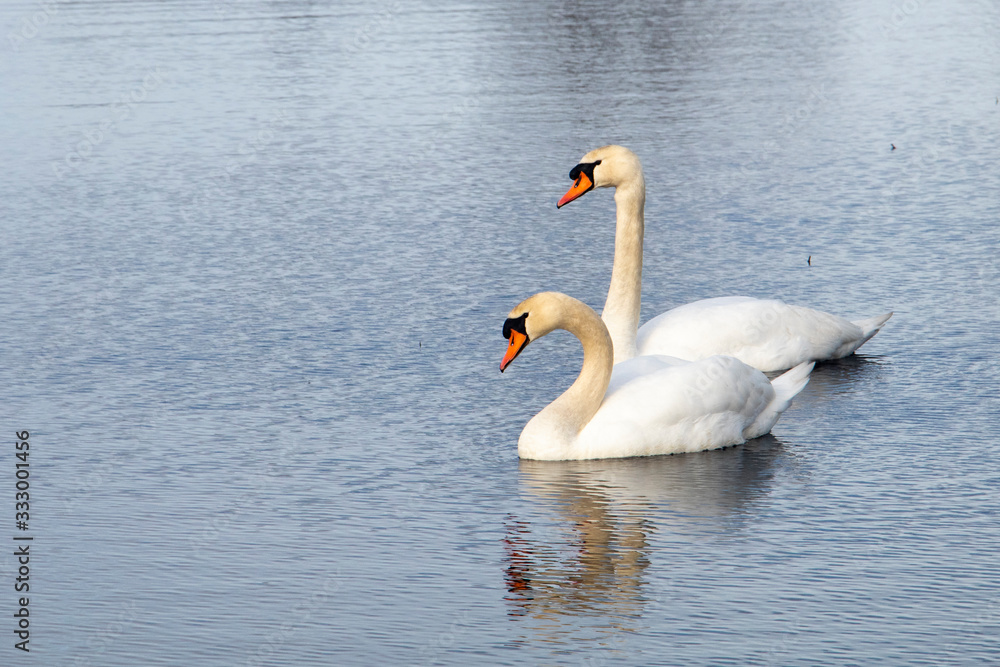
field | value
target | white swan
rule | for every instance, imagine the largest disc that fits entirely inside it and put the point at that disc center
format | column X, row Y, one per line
column 769, row 335
column 645, row 406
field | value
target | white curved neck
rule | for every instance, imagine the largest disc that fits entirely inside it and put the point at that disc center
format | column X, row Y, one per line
column 553, row 431
column 621, row 310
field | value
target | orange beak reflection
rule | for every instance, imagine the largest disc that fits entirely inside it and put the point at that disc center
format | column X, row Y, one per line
column 582, row 185
column 517, row 342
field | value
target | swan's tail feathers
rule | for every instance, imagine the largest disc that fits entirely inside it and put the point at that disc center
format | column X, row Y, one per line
column 790, row 383
column 870, row 326
column 786, row 386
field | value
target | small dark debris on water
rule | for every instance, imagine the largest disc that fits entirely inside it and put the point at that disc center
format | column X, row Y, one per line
column 893, row 146
column 809, row 261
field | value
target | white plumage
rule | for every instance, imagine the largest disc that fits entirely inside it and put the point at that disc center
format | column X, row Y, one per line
column 766, row 333
column 644, row 406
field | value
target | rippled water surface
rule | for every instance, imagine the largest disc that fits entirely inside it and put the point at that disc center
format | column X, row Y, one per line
column 256, row 255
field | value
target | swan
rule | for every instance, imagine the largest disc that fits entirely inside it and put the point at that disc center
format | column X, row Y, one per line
column 643, row 406
column 767, row 334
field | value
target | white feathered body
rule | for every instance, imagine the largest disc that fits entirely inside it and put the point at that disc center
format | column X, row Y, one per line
column 767, row 334
column 663, row 405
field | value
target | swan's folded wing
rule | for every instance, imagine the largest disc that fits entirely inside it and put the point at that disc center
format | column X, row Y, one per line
column 767, row 334
column 638, row 367
column 678, row 406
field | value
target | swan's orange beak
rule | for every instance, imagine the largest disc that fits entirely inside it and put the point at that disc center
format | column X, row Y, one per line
column 582, row 185
column 517, row 342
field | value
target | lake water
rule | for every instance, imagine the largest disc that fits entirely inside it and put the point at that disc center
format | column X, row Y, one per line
column 256, row 257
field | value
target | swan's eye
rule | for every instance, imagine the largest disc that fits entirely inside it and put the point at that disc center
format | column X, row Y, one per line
column 515, row 324
column 583, row 168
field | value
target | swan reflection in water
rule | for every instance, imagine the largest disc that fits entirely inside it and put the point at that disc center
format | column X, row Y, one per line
column 579, row 565
column 588, row 557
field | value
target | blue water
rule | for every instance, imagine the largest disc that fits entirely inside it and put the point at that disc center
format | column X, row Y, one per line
column 256, row 257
